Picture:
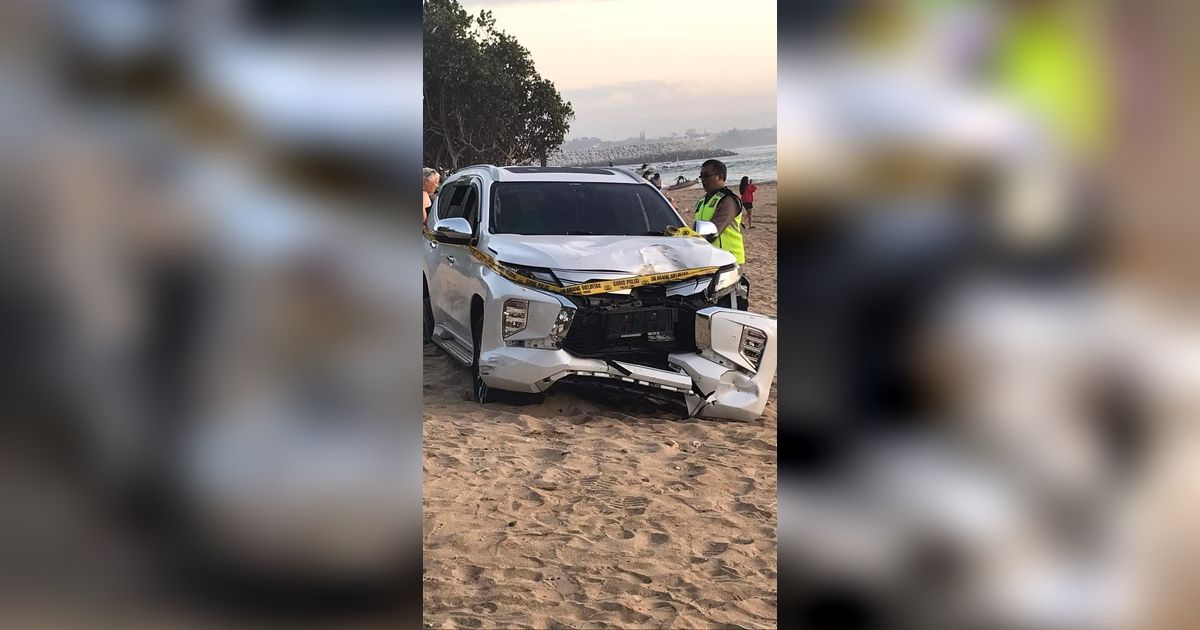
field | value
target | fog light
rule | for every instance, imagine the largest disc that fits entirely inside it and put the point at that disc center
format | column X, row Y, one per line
column 562, row 324
column 703, row 333
column 516, row 314
column 753, row 344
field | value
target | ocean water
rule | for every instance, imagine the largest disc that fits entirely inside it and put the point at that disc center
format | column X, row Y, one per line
column 757, row 163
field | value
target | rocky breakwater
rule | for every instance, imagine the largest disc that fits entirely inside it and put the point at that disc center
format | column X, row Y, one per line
column 650, row 152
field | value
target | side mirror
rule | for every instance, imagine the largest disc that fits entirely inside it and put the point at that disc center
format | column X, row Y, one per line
column 453, row 230
column 706, row 228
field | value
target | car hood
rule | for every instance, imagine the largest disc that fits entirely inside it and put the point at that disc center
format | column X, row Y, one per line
column 634, row 255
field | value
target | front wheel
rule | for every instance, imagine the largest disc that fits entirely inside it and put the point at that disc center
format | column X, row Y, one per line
column 427, row 316
column 481, row 392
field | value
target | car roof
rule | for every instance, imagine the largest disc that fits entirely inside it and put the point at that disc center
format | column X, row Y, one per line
column 553, row 174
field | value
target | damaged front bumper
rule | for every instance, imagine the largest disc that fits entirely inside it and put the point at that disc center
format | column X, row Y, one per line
column 729, row 374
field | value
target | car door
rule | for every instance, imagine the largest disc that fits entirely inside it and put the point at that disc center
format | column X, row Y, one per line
column 456, row 267
column 436, row 263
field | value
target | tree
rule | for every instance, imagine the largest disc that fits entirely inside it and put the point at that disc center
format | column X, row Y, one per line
column 484, row 101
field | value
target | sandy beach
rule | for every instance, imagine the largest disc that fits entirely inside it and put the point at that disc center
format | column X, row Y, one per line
column 586, row 513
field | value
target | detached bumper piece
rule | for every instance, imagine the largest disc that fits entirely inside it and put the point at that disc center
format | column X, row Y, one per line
column 733, row 366
column 728, row 375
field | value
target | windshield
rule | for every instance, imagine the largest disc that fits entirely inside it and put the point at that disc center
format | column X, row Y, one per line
column 541, row 208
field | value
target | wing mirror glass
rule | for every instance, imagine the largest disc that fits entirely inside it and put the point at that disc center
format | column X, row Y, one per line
column 453, row 230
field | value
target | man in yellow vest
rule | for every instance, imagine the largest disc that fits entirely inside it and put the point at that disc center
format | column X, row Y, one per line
column 721, row 207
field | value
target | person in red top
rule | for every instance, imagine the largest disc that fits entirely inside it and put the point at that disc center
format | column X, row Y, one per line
column 746, row 191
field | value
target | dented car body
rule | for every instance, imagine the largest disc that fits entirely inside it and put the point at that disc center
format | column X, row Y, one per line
column 535, row 276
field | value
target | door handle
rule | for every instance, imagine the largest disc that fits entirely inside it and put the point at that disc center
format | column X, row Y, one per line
column 450, row 259
column 432, row 244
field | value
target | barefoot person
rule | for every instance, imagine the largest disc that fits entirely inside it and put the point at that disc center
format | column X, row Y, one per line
column 746, row 190
column 430, row 184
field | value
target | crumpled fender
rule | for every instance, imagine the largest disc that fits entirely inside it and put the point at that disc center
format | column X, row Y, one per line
column 726, row 382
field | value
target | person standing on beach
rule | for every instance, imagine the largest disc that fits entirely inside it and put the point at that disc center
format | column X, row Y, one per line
column 746, row 189
column 721, row 207
column 431, row 179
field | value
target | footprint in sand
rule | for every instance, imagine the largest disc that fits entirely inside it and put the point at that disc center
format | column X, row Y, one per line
column 716, row 548
column 535, row 498
column 551, row 455
column 468, row 572
column 598, row 485
column 634, row 505
column 549, row 519
column 523, row 574
column 725, row 571
column 625, row 614
column 749, row 509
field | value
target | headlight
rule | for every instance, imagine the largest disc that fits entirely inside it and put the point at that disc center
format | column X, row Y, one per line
column 725, row 278
column 516, row 314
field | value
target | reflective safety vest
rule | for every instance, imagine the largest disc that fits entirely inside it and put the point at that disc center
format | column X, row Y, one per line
column 730, row 239
column 1048, row 61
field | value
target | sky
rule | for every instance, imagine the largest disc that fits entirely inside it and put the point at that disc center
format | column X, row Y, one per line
column 629, row 66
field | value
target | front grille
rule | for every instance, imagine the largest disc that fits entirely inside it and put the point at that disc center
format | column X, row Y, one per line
column 588, row 336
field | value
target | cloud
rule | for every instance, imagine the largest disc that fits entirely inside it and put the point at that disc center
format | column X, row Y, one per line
column 660, row 107
column 483, row 4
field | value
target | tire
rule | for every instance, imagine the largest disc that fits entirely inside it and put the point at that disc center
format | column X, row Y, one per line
column 481, row 392
column 426, row 314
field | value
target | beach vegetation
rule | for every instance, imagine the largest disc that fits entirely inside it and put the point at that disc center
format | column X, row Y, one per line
column 484, row 101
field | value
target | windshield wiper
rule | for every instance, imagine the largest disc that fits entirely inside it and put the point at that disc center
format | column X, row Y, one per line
column 581, row 233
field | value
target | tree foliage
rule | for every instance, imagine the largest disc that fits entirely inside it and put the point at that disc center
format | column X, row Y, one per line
column 484, row 101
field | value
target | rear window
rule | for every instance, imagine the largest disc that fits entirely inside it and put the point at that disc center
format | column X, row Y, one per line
column 547, row 208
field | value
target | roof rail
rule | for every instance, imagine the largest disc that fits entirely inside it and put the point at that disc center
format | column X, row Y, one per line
column 492, row 169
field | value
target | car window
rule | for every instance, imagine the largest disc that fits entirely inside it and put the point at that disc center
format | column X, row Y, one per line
column 450, row 202
column 542, row 208
column 462, row 202
column 470, row 207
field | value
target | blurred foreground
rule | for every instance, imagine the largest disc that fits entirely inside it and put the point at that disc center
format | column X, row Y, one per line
column 989, row 420
column 210, row 387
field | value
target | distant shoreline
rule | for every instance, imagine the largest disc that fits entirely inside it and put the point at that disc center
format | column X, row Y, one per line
column 651, row 158
column 639, row 153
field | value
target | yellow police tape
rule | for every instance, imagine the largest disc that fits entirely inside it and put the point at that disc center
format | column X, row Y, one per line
column 682, row 230
column 587, row 288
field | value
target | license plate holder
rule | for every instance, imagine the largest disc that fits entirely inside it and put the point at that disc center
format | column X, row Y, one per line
column 635, row 323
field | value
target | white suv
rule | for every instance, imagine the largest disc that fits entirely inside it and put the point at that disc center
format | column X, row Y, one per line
column 538, row 275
